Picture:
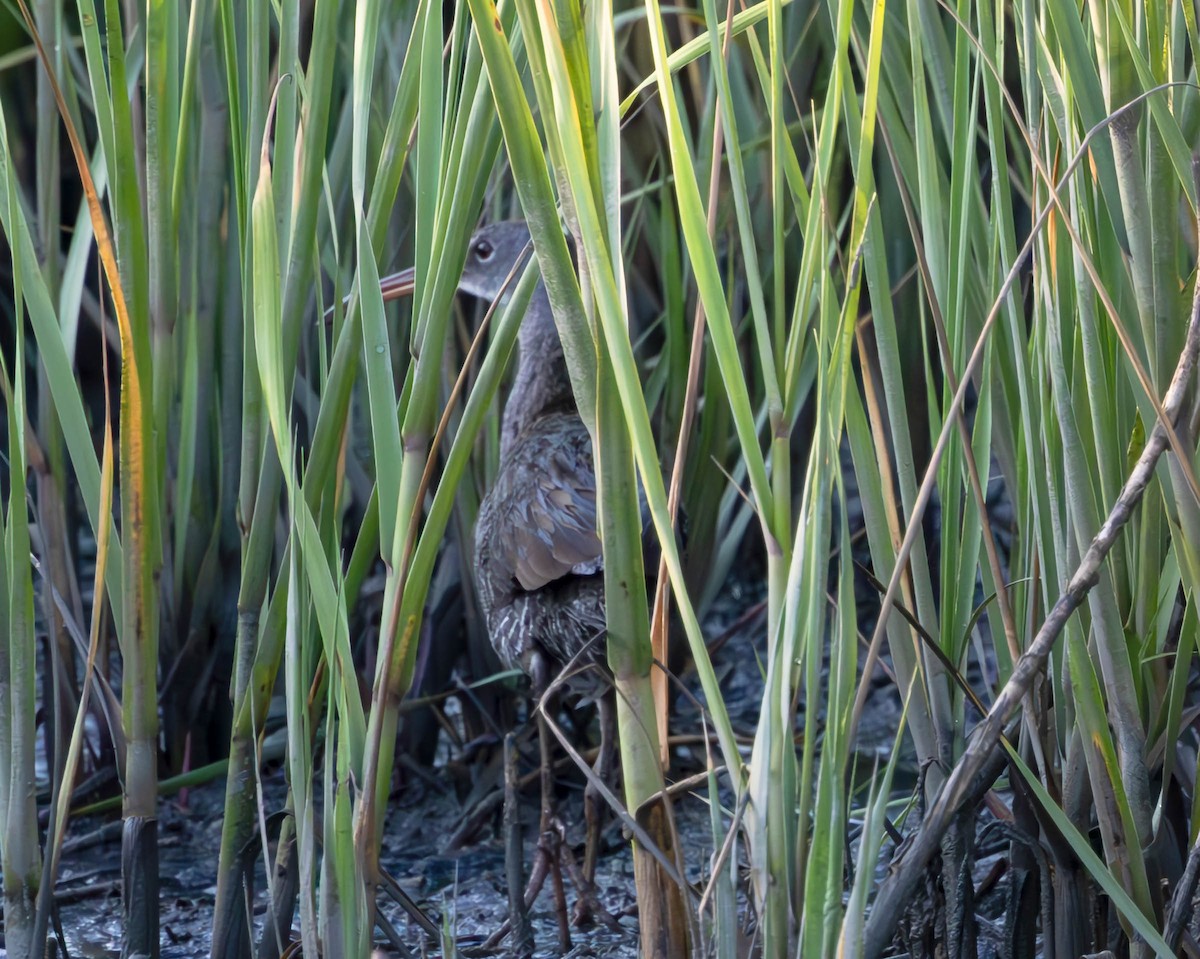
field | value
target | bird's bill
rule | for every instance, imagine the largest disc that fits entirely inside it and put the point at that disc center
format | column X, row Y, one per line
column 395, row 285
column 392, row 287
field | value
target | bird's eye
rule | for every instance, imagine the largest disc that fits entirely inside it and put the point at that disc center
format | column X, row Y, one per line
column 484, row 251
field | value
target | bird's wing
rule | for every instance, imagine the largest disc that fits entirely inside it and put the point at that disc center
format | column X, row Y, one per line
column 553, row 533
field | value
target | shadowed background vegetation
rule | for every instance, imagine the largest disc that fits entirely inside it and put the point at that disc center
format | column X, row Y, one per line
column 893, row 300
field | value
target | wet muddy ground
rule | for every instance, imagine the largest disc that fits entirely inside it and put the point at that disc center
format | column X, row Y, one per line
column 464, row 887
column 449, row 857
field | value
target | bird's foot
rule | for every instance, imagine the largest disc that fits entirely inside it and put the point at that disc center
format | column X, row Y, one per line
column 554, row 858
column 588, row 908
column 548, row 862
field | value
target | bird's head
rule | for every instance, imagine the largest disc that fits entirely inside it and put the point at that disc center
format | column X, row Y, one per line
column 492, row 254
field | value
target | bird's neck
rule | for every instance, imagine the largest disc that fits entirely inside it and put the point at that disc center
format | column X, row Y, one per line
column 542, row 384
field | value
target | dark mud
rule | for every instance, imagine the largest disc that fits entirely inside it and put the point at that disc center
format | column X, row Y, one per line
column 464, row 888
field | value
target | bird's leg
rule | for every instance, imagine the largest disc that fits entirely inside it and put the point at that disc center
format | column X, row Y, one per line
column 514, row 854
column 588, row 907
column 560, row 895
column 553, row 852
column 593, row 806
column 550, row 840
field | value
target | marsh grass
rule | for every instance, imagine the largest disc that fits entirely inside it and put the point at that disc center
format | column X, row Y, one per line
column 955, row 242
